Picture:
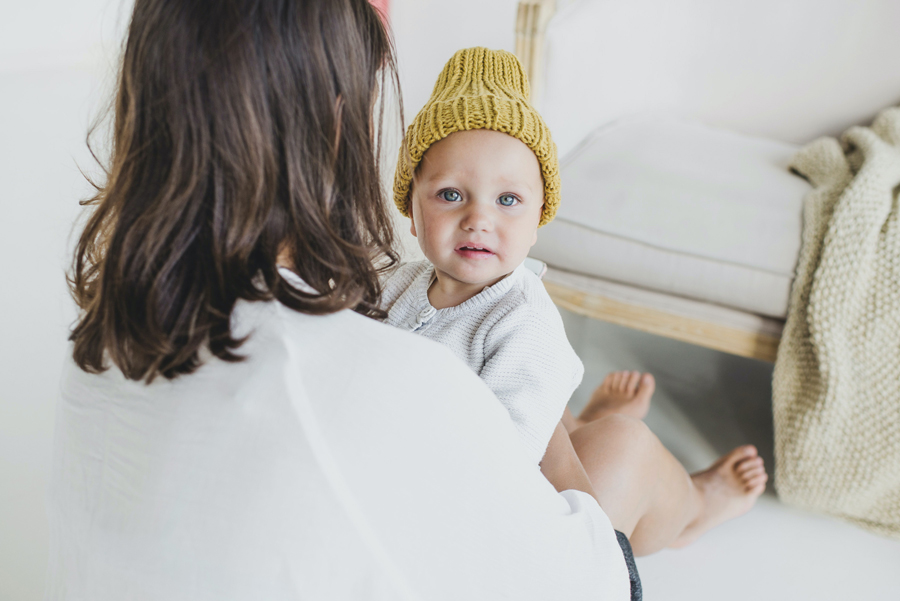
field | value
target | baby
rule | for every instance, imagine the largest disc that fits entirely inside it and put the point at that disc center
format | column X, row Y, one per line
column 478, row 175
column 488, row 180
column 476, row 198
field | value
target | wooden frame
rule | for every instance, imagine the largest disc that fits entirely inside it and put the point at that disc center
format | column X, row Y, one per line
column 532, row 17
column 696, row 322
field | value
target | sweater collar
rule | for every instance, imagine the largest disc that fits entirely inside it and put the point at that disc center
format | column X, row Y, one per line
column 491, row 293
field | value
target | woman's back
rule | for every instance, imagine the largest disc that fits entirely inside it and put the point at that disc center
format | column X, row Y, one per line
column 328, row 465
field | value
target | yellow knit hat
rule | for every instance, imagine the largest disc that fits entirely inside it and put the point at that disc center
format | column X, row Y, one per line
column 479, row 89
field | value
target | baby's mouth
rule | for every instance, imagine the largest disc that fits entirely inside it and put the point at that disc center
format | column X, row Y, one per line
column 474, row 251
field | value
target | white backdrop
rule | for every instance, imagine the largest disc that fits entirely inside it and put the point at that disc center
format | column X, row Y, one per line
column 55, row 58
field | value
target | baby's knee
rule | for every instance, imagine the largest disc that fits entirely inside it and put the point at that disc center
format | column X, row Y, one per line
column 624, row 425
column 623, row 433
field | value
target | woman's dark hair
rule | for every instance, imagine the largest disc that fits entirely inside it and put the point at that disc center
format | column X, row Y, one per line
column 243, row 131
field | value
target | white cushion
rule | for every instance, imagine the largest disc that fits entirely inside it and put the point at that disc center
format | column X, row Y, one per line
column 681, row 208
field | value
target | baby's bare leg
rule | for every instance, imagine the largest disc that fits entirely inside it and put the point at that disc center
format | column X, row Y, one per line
column 647, row 493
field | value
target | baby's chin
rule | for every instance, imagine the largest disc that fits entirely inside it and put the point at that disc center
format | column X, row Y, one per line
column 477, row 277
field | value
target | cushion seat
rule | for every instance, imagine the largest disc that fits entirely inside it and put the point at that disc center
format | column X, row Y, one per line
column 681, row 208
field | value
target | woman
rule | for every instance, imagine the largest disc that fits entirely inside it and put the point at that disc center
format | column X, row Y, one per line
column 233, row 425
column 229, row 428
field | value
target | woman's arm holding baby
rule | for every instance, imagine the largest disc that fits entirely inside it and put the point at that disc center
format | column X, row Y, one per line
column 562, row 467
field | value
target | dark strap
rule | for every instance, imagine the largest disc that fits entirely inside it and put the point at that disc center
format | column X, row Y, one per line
column 637, row 593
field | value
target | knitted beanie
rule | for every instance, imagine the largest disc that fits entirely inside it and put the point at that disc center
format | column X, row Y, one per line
column 479, row 89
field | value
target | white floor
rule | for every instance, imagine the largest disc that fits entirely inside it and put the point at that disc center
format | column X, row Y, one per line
column 706, row 403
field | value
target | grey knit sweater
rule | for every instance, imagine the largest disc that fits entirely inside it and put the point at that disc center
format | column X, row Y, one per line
column 510, row 334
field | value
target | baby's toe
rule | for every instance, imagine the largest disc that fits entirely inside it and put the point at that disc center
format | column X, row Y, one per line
column 632, row 381
column 757, row 484
column 749, row 464
column 609, row 382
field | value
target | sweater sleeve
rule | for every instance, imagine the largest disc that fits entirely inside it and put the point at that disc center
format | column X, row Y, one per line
column 533, row 370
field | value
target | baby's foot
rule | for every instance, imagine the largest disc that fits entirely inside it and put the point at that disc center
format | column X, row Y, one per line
column 728, row 489
column 626, row 392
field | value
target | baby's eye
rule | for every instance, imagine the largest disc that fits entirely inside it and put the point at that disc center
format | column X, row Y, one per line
column 508, row 200
column 450, row 195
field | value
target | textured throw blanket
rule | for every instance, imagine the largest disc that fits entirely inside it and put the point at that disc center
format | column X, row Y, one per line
column 836, row 388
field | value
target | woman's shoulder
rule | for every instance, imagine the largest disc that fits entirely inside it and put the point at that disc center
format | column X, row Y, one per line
column 357, row 346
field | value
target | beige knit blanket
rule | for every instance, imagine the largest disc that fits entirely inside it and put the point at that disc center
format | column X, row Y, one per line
column 836, row 388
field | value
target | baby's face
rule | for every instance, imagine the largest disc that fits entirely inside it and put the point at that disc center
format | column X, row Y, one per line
column 477, row 198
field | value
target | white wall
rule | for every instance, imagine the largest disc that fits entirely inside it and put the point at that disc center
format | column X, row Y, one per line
column 55, row 57
column 428, row 32
column 788, row 70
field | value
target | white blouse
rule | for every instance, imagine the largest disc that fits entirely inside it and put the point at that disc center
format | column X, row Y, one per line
column 327, row 465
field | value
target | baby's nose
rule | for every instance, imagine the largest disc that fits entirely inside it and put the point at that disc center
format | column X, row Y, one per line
column 477, row 218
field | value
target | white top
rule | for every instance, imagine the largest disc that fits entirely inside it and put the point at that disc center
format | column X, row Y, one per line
column 510, row 334
column 327, row 465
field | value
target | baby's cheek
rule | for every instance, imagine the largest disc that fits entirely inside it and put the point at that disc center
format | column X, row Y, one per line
column 428, row 242
column 433, row 232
